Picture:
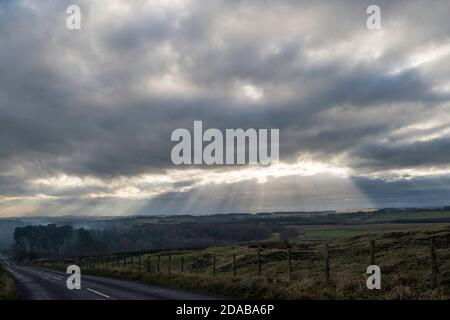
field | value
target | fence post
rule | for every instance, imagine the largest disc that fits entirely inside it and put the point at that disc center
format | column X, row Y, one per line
column 149, row 264
column 234, row 265
column 170, row 264
column 289, row 263
column 158, row 263
column 124, row 262
column 182, row 264
column 327, row 263
column 372, row 252
column 259, row 262
column 139, row 261
column 434, row 264
column 214, row 266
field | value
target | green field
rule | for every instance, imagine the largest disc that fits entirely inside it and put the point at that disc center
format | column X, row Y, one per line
column 408, row 215
column 404, row 258
column 332, row 232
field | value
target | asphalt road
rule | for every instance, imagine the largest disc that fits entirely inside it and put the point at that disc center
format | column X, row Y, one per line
column 36, row 283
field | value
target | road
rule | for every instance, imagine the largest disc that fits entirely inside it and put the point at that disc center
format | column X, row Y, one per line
column 36, row 283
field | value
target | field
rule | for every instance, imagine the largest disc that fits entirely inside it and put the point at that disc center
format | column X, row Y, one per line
column 404, row 257
column 331, row 232
column 7, row 287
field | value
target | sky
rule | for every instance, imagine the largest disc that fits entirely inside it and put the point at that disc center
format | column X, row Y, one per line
column 86, row 115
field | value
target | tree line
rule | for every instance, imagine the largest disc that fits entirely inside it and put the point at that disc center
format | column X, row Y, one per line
column 52, row 241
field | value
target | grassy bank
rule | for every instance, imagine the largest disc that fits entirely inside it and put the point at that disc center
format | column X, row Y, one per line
column 8, row 289
column 404, row 258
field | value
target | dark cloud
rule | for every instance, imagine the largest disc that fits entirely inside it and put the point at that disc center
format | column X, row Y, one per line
column 102, row 102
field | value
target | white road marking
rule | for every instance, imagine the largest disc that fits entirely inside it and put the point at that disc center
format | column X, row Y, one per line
column 99, row 293
column 45, row 275
column 50, row 276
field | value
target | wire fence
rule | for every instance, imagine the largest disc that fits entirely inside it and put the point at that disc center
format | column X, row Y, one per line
column 320, row 260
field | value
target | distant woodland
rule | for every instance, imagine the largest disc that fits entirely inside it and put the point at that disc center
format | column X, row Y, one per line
column 51, row 241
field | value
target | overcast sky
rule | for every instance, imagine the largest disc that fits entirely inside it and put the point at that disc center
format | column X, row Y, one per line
column 86, row 115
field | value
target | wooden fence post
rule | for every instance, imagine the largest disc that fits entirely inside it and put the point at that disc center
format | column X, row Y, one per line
column 289, row 263
column 434, row 264
column 234, row 265
column 327, row 263
column 149, row 264
column 214, row 266
column 182, row 264
column 170, row 264
column 259, row 262
column 372, row 252
column 158, row 264
column 124, row 262
column 139, row 261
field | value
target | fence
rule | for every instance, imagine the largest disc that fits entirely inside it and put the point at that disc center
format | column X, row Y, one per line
column 208, row 263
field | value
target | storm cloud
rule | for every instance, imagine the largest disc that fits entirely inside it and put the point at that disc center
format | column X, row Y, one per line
column 86, row 115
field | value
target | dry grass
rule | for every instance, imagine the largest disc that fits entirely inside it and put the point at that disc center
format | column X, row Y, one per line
column 8, row 289
column 404, row 259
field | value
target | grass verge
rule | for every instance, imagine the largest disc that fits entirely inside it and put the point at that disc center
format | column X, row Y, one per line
column 8, row 290
column 404, row 259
